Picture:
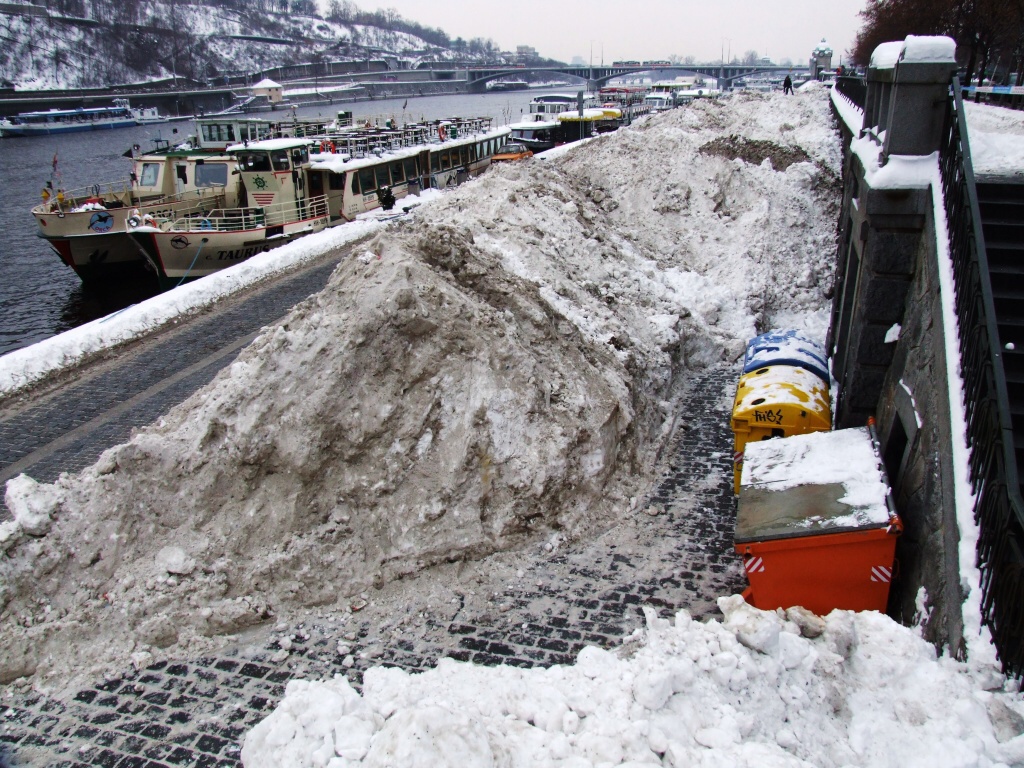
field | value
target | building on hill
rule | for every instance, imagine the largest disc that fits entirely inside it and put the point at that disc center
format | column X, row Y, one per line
column 267, row 87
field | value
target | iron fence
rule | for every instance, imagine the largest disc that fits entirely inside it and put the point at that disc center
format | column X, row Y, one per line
column 999, row 509
column 853, row 88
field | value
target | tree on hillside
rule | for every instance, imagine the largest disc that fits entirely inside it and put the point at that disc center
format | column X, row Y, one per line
column 989, row 33
column 750, row 58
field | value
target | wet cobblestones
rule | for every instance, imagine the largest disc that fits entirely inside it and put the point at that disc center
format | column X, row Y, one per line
column 530, row 608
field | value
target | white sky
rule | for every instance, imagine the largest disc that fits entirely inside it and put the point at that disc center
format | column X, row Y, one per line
column 644, row 29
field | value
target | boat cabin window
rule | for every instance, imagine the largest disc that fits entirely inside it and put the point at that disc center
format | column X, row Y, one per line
column 410, row 168
column 280, row 159
column 355, row 183
column 150, row 175
column 396, row 173
column 336, row 181
column 254, row 161
column 446, row 160
column 219, row 132
column 211, row 174
column 435, row 162
column 366, row 182
column 383, row 177
column 300, row 155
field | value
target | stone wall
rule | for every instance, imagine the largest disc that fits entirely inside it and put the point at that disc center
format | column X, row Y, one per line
column 888, row 275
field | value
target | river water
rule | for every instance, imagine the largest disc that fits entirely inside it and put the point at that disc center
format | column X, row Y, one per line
column 40, row 297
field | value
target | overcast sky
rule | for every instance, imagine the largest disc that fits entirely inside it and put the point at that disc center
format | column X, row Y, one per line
column 643, row 29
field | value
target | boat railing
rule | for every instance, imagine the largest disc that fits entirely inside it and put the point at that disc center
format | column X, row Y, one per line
column 250, row 217
column 375, row 140
column 118, row 194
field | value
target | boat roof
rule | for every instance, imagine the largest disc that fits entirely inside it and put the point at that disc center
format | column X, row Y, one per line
column 535, row 124
column 271, row 144
column 342, row 163
column 589, row 114
column 559, row 97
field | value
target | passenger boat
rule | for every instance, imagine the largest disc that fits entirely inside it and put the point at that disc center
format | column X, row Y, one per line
column 538, row 136
column 87, row 227
column 120, row 115
column 294, row 186
column 568, row 127
column 507, row 85
column 549, row 105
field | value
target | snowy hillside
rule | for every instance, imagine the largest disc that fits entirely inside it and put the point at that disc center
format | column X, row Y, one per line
column 103, row 43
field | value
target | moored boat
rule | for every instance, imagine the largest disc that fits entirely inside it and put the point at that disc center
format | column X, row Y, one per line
column 295, row 186
column 120, row 115
column 87, row 227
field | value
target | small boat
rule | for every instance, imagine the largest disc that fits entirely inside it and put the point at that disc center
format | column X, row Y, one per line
column 120, row 115
column 508, row 85
column 538, row 136
column 295, row 186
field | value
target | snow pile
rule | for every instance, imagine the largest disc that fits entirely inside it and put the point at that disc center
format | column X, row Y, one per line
column 760, row 689
column 996, row 135
column 500, row 366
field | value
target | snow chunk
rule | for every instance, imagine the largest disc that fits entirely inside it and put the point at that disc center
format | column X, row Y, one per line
column 32, row 505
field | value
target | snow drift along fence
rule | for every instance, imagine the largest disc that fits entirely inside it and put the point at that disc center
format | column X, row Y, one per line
column 999, row 509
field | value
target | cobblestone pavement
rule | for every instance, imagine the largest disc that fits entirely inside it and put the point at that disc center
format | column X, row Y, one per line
column 69, row 426
column 537, row 606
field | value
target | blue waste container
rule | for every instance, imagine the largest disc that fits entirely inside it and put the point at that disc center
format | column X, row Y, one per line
column 789, row 347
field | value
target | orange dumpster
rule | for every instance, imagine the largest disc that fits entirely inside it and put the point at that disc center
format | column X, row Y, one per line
column 814, row 525
column 777, row 401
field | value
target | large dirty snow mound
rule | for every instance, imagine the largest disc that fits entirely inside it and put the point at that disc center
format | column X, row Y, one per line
column 760, row 689
column 501, row 366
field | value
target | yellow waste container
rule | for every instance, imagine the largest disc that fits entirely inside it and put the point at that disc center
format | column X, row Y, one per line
column 777, row 401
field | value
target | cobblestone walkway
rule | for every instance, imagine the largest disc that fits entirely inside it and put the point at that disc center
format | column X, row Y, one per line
column 525, row 608
column 68, row 428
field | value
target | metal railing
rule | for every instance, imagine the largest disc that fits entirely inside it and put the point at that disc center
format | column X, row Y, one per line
column 121, row 195
column 999, row 509
column 253, row 217
column 853, row 88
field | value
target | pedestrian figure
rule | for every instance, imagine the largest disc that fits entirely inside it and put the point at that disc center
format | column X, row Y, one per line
column 787, row 85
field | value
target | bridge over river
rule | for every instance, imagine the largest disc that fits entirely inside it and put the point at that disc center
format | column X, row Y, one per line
column 597, row 76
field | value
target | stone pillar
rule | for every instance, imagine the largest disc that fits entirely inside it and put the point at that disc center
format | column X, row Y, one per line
column 880, row 78
column 919, row 96
column 883, row 226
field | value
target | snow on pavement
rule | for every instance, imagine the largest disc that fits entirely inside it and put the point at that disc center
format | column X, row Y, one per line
column 758, row 690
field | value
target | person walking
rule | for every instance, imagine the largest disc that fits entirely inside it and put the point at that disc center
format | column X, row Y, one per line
column 787, row 85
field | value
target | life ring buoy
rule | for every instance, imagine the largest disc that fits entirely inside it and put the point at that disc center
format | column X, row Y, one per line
column 206, row 224
column 330, row 146
column 440, row 132
column 134, row 221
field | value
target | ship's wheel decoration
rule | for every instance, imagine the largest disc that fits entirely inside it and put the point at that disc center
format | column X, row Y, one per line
column 260, row 182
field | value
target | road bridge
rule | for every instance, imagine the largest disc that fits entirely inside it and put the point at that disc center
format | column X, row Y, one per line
column 597, row 76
